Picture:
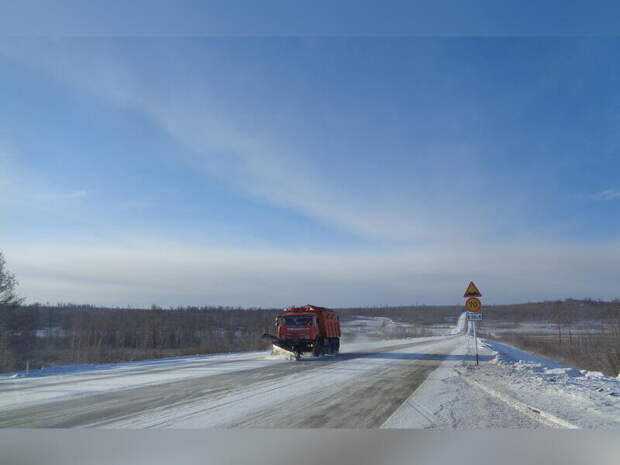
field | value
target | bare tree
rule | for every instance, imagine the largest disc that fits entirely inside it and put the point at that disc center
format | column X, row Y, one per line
column 557, row 314
column 8, row 283
column 8, row 300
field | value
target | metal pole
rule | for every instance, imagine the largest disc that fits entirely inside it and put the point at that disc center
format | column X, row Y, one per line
column 475, row 340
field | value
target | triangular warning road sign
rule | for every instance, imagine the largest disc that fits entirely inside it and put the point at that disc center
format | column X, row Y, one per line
column 472, row 291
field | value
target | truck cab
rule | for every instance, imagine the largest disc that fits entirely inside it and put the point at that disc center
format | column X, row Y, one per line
column 297, row 326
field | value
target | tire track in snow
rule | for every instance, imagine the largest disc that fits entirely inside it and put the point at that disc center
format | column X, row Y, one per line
column 535, row 413
column 123, row 405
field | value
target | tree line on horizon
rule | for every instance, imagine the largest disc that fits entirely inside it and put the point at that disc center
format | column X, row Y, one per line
column 45, row 335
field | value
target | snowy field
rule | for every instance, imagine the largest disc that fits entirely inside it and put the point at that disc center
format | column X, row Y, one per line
column 365, row 328
column 543, row 328
column 362, row 328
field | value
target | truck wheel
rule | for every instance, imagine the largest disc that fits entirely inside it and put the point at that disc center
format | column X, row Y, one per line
column 318, row 348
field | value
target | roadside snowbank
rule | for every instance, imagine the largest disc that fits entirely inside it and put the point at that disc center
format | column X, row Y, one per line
column 585, row 398
column 510, row 389
column 461, row 324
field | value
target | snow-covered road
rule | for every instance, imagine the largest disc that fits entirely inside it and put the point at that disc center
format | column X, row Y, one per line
column 420, row 382
column 231, row 390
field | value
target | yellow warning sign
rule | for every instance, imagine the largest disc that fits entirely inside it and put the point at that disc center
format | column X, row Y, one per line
column 473, row 304
column 472, row 291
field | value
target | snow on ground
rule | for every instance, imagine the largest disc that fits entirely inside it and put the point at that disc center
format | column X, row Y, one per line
column 545, row 330
column 443, row 329
column 545, row 327
column 461, row 324
column 378, row 327
column 363, row 328
column 66, row 382
column 510, row 388
column 261, row 401
column 583, row 398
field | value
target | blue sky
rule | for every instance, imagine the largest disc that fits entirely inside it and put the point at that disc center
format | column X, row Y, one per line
column 332, row 170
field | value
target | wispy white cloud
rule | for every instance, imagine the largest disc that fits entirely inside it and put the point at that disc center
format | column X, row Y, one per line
column 20, row 186
column 34, row 195
column 55, row 197
column 607, row 194
column 253, row 158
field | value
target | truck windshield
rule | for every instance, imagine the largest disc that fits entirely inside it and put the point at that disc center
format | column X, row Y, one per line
column 297, row 320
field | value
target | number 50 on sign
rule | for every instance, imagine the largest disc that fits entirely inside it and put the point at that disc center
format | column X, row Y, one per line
column 473, row 304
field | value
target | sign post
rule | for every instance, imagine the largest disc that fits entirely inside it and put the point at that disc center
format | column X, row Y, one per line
column 474, row 307
column 475, row 342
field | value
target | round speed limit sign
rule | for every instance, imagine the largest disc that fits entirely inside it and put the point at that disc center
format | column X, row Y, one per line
column 473, row 304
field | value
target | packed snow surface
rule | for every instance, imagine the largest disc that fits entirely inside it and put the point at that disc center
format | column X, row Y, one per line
column 61, row 383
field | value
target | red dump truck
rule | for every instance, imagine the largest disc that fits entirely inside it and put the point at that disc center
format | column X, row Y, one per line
column 307, row 329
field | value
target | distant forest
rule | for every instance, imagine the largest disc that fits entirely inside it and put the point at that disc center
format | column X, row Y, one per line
column 584, row 334
column 44, row 335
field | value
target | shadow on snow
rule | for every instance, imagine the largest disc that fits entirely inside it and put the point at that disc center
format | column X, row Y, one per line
column 399, row 356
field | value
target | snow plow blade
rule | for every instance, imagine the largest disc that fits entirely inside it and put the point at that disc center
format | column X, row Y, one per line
column 278, row 349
